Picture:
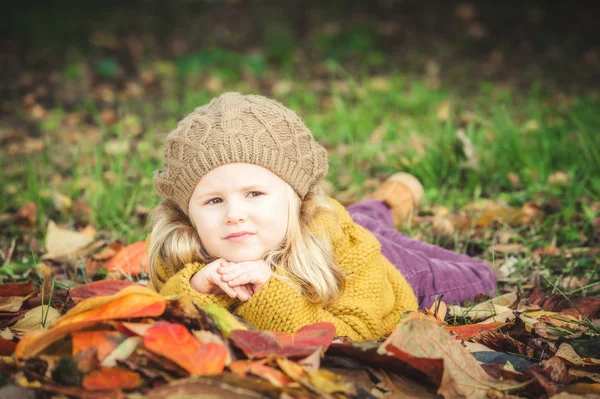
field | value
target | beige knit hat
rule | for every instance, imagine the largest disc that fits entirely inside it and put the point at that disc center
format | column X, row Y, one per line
column 239, row 128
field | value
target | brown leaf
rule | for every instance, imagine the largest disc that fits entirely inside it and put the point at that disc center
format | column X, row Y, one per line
column 97, row 288
column 12, row 303
column 428, row 348
column 259, row 369
column 579, row 373
column 502, row 343
column 589, row 306
column 555, row 371
column 27, row 214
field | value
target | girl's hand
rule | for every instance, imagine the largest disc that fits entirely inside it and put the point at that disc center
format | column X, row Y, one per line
column 209, row 281
column 254, row 273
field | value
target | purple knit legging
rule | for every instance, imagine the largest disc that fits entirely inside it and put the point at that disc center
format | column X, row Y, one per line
column 429, row 269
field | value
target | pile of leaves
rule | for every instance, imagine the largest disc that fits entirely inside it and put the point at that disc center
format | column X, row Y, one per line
column 113, row 339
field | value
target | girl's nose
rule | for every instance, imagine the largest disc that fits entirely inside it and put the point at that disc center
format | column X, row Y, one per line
column 235, row 214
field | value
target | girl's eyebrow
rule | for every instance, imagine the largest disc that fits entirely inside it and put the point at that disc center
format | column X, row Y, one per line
column 256, row 187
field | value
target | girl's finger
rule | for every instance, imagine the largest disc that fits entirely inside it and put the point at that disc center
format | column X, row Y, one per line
column 224, row 286
column 238, row 270
column 246, row 278
column 242, row 295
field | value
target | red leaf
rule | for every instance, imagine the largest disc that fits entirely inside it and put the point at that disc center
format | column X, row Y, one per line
column 16, row 289
column 7, row 348
column 176, row 343
column 132, row 259
column 257, row 344
column 107, row 379
column 98, row 288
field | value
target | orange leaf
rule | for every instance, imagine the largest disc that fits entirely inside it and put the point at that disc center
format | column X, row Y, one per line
column 258, row 368
column 104, row 341
column 132, row 259
column 257, row 344
column 98, row 288
column 470, row 330
column 107, row 379
column 176, row 343
column 133, row 301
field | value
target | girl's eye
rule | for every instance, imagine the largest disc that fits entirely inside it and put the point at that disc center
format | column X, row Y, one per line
column 213, row 201
column 255, row 193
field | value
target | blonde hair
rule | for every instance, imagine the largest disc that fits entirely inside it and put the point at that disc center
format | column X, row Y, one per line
column 305, row 257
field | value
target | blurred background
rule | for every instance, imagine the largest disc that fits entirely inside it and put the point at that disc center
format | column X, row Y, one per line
column 482, row 101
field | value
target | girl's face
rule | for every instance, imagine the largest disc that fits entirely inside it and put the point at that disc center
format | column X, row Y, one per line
column 240, row 211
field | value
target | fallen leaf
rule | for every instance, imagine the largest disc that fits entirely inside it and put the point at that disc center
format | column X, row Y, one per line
column 206, row 337
column 107, row 379
column 37, row 319
column 579, row 373
column 467, row 331
column 131, row 302
column 259, row 369
column 480, row 311
column 16, row 289
column 568, row 355
column 554, row 370
column 321, row 381
column 223, row 319
column 98, row 288
column 122, row 351
column 12, row 303
column 510, row 216
column 428, row 348
column 27, row 213
column 64, row 243
column 503, row 343
column 7, row 347
column 589, row 306
column 257, row 344
column 132, row 260
column 137, row 328
column 103, row 341
column 176, row 343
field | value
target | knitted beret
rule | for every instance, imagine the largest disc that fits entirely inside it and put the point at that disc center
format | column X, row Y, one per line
column 239, row 128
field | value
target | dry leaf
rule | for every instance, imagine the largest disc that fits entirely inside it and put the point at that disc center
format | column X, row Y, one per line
column 64, row 243
column 35, row 318
column 428, row 348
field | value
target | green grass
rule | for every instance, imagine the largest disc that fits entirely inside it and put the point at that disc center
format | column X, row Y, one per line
column 530, row 135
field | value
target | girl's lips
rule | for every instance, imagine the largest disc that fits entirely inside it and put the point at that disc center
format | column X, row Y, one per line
column 239, row 237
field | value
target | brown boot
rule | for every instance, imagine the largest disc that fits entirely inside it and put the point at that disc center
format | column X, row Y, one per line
column 402, row 192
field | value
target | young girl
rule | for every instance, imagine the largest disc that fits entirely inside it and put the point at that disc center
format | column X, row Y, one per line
column 244, row 223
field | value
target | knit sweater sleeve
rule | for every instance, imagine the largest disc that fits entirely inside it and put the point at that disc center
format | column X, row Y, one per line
column 179, row 283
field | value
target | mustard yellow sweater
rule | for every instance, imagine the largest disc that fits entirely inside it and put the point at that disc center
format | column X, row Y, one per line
column 375, row 296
